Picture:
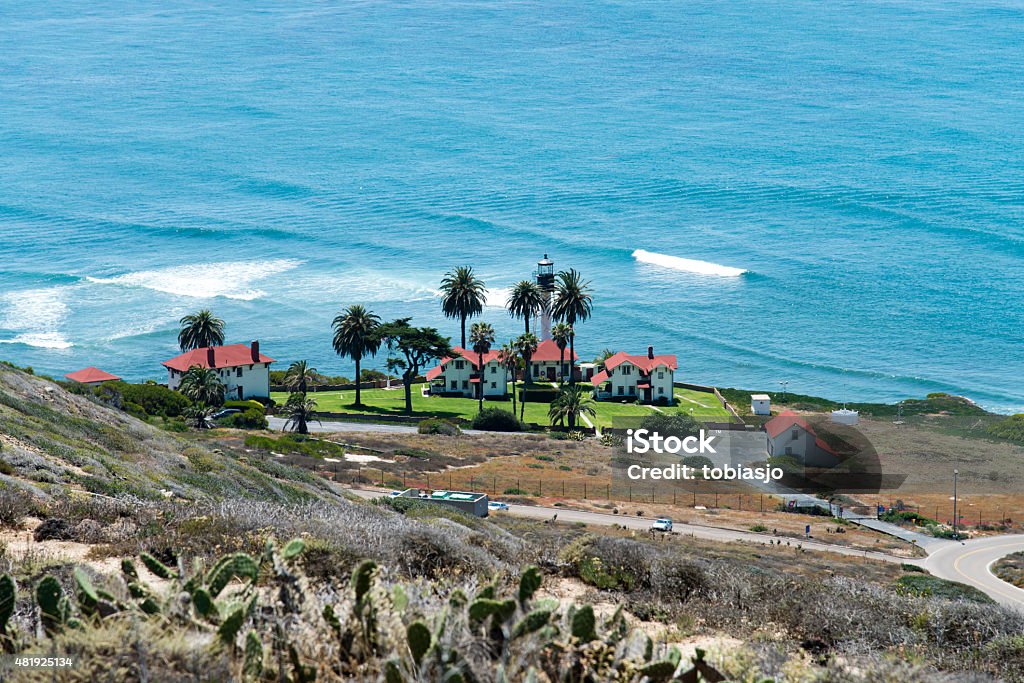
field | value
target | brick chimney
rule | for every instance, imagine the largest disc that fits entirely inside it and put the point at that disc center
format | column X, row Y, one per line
column 650, row 352
column 255, row 347
column 209, row 357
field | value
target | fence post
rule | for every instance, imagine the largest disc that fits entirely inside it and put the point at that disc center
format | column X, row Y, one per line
column 382, row 477
column 584, row 490
column 540, row 487
column 630, row 494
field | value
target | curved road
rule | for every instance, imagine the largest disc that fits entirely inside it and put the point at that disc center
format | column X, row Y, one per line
column 967, row 562
column 970, row 562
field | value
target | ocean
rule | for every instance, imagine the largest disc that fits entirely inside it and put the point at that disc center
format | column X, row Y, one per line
column 828, row 194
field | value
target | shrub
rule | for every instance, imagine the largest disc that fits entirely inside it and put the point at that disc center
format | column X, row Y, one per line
column 251, row 418
column 513, row 491
column 245, row 405
column 538, row 394
column 151, row 399
column 497, row 420
column 1011, row 428
column 927, row 585
column 680, row 425
column 437, row 426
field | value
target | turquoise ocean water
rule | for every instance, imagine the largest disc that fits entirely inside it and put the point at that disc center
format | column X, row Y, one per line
column 862, row 161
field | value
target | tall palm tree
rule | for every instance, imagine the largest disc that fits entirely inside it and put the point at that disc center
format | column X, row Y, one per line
column 509, row 357
column 526, row 300
column 526, row 346
column 572, row 403
column 355, row 336
column 561, row 333
column 299, row 411
column 573, row 303
column 463, row 296
column 200, row 330
column 299, row 376
column 481, row 336
column 202, row 386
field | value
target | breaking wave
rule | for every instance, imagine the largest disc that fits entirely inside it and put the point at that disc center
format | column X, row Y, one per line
column 687, row 265
column 36, row 316
column 230, row 279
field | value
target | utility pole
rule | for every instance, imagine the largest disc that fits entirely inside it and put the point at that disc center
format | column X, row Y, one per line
column 955, row 520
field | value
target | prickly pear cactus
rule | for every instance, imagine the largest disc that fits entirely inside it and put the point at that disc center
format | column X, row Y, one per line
column 8, row 596
column 252, row 668
column 529, row 582
column 157, row 567
column 53, row 606
column 420, row 639
column 362, row 579
column 584, row 624
column 227, row 568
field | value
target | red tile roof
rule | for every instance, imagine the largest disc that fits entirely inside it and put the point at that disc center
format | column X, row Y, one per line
column 548, row 351
column 779, row 424
column 223, row 357
column 643, row 362
column 90, row 375
column 600, row 377
column 467, row 354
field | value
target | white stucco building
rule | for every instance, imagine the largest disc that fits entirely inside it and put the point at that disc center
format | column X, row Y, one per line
column 244, row 371
column 545, row 362
column 460, row 375
column 761, row 404
column 648, row 378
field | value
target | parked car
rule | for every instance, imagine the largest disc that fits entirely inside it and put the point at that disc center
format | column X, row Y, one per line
column 224, row 412
column 497, row 505
column 662, row 524
column 395, row 494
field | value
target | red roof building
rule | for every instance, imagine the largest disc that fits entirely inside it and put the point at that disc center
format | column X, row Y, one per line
column 646, row 378
column 91, row 375
column 461, row 373
column 244, row 371
column 790, row 434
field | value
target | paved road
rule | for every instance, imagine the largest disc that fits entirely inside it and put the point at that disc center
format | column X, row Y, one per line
column 697, row 531
column 277, row 424
column 970, row 562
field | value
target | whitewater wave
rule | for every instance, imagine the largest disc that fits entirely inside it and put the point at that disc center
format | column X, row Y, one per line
column 228, row 279
column 36, row 316
column 687, row 265
column 496, row 298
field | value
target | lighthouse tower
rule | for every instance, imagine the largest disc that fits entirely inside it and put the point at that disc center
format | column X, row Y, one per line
column 545, row 279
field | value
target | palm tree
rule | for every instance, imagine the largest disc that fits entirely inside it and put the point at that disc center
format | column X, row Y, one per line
column 561, row 333
column 463, row 296
column 200, row 330
column 525, row 345
column 199, row 414
column 526, row 300
column 573, row 402
column 299, row 410
column 299, row 376
column 481, row 335
column 508, row 355
column 573, row 303
column 202, row 386
column 355, row 336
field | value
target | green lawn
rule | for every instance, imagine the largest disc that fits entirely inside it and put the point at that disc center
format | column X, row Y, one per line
column 392, row 402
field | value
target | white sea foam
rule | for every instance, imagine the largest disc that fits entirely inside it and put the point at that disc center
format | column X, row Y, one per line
column 36, row 316
column 496, row 298
column 228, row 279
column 685, row 264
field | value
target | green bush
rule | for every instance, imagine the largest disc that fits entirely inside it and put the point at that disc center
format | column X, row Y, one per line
column 437, row 426
column 932, row 586
column 497, row 420
column 252, row 418
column 246, row 405
column 679, row 425
column 538, row 394
column 151, row 399
column 1011, row 429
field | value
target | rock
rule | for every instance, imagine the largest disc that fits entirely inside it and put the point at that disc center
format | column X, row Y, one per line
column 54, row 529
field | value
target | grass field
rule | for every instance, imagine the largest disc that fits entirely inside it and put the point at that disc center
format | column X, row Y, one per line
column 392, row 402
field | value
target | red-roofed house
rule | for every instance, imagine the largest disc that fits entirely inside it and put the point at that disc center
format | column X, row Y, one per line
column 544, row 362
column 790, row 434
column 460, row 374
column 647, row 378
column 91, row 376
column 244, row 371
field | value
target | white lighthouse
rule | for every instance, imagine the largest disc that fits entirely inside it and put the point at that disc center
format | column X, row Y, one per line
column 545, row 279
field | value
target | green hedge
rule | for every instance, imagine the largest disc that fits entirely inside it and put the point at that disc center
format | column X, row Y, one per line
column 538, row 394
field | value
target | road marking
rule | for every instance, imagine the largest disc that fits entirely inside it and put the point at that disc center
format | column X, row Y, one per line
column 999, row 588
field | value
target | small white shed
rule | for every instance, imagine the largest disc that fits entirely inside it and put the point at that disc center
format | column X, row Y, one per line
column 845, row 417
column 761, row 404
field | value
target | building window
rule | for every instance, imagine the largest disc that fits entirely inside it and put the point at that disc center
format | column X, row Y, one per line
column 455, row 385
column 460, row 364
column 494, row 385
column 536, row 370
column 661, row 390
column 661, row 375
column 465, row 384
column 494, row 369
column 622, row 390
column 795, row 435
column 627, row 369
column 789, row 451
column 238, row 372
